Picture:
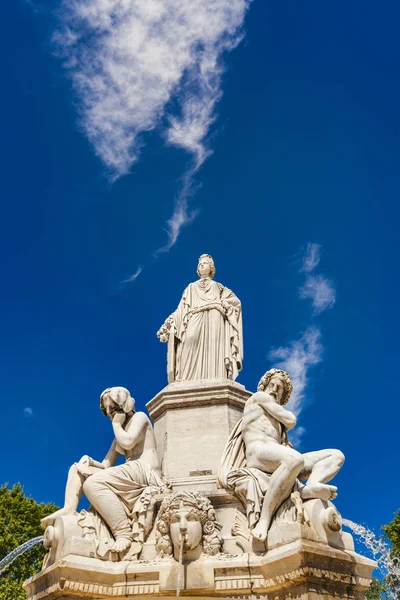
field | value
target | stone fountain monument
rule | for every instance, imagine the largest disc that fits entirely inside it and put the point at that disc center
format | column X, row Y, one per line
column 211, row 502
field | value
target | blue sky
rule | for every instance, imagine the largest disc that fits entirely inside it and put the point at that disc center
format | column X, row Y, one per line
column 305, row 151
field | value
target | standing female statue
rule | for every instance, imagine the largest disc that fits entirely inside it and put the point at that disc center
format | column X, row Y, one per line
column 204, row 334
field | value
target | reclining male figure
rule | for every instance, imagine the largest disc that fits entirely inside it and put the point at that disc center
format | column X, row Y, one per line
column 264, row 429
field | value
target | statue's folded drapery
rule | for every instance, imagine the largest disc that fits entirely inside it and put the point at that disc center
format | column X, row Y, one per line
column 248, row 484
column 208, row 340
column 132, row 485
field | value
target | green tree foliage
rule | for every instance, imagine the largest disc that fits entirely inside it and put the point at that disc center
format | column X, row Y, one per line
column 392, row 533
column 19, row 522
column 379, row 589
column 376, row 591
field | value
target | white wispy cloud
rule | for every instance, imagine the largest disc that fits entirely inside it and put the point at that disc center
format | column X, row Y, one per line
column 320, row 291
column 181, row 215
column 296, row 358
column 311, row 257
column 35, row 7
column 28, row 412
column 300, row 355
column 140, row 64
column 136, row 274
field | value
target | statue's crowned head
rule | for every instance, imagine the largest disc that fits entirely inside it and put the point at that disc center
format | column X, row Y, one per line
column 280, row 376
column 116, row 399
column 206, row 267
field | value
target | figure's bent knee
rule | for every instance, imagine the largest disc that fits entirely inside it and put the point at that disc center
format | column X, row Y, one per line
column 89, row 486
column 93, row 482
column 339, row 457
column 73, row 470
column 295, row 462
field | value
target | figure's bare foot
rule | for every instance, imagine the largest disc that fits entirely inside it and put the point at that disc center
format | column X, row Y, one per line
column 319, row 490
column 260, row 531
column 121, row 544
column 49, row 520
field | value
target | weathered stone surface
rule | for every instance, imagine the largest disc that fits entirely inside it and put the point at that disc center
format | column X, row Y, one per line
column 263, row 469
column 187, row 527
column 121, row 497
column 204, row 333
column 308, row 557
column 192, row 421
column 189, row 512
column 302, row 569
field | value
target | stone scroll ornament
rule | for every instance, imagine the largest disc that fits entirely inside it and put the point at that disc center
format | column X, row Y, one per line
column 204, row 334
column 187, row 519
column 261, row 466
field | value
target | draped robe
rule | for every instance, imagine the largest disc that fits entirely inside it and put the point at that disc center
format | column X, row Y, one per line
column 128, row 488
column 248, row 483
column 207, row 340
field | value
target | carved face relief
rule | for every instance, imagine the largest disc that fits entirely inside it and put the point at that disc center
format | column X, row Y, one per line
column 185, row 526
column 275, row 388
column 190, row 518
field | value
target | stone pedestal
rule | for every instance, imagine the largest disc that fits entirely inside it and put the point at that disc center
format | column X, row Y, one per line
column 301, row 570
column 192, row 422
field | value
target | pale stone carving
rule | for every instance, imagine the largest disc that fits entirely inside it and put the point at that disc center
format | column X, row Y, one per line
column 260, row 464
column 204, row 334
column 314, row 520
column 121, row 496
column 187, row 519
column 187, row 414
column 301, row 570
column 205, row 542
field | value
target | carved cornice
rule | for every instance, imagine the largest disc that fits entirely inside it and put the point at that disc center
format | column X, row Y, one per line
column 189, row 394
column 301, row 575
column 236, row 581
column 51, row 583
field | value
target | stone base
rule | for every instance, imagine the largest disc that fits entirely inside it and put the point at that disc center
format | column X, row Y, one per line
column 309, row 557
column 300, row 570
